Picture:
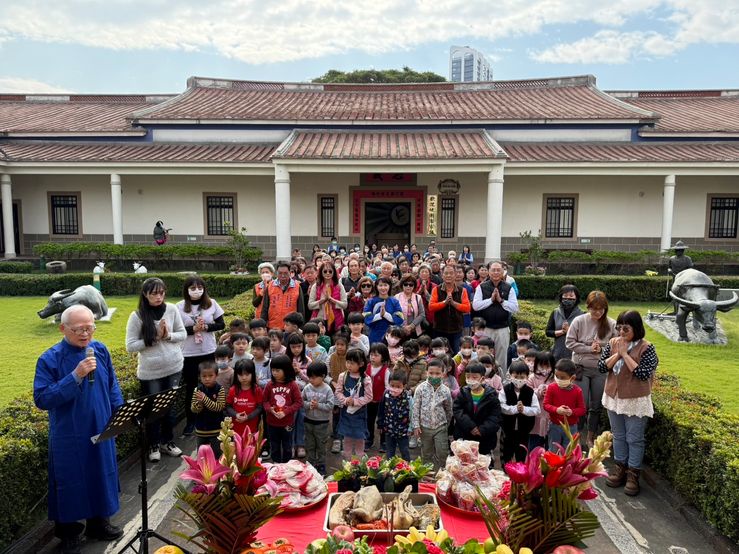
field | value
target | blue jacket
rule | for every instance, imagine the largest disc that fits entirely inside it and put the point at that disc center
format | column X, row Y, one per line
column 83, row 477
column 378, row 325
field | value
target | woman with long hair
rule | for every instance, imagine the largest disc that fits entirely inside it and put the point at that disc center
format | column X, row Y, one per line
column 411, row 303
column 202, row 317
column 327, row 298
column 586, row 337
column 155, row 330
column 365, row 289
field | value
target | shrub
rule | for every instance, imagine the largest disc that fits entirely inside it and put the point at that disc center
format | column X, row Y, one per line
column 239, row 306
column 694, row 444
column 16, row 267
column 121, row 284
column 538, row 317
column 24, row 435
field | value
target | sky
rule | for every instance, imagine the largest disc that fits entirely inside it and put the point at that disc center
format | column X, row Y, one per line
column 153, row 46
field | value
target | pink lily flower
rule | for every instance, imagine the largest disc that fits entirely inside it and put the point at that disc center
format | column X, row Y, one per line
column 517, row 471
column 206, row 471
column 588, row 494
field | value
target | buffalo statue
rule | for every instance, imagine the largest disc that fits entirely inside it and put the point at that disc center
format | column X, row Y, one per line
column 694, row 291
column 87, row 295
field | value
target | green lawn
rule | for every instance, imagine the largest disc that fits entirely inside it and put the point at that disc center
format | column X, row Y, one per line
column 702, row 368
column 25, row 337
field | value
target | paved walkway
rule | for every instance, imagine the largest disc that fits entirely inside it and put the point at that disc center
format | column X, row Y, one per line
column 653, row 522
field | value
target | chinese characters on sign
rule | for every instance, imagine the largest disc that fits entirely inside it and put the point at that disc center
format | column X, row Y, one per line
column 431, row 210
column 388, row 178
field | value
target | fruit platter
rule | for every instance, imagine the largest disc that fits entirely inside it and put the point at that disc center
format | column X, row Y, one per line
column 370, row 512
column 456, row 484
column 298, row 483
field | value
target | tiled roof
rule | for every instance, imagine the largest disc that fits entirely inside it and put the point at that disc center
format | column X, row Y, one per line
column 35, row 114
column 421, row 145
column 568, row 99
column 126, row 152
column 664, row 152
column 688, row 112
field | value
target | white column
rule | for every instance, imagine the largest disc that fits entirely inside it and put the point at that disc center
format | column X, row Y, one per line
column 668, row 205
column 7, row 200
column 283, row 217
column 115, row 198
column 494, row 216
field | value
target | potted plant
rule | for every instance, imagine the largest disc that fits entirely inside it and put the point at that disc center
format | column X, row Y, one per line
column 404, row 473
column 223, row 504
column 348, row 476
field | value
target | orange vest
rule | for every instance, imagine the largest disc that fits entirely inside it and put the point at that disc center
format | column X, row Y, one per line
column 281, row 303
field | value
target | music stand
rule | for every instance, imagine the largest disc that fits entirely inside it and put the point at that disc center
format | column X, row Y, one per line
column 136, row 414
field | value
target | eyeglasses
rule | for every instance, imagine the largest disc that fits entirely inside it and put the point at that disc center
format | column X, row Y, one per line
column 624, row 328
column 409, row 284
column 365, row 286
column 79, row 331
column 327, row 272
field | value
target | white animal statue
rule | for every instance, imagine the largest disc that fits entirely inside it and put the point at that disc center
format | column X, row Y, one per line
column 99, row 268
column 139, row 268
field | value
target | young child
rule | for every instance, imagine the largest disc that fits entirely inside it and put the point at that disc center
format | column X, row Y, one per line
column 281, row 400
column 240, row 345
column 337, row 365
column 208, row 403
column 522, row 347
column 519, row 406
column 323, row 339
column 478, row 329
column 466, row 352
column 224, row 356
column 539, row 380
column 431, row 415
column 412, row 364
column 275, row 343
column 379, row 372
column 353, row 393
column 524, row 332
column 477, row 411
column 394, row 338
column 318, row 402
column 300, row 361
column 529, row 358
column 357, row 338
column 316, row 352
column 492, row 372
column 259, row 349
column 244, row 400
column 424, row 345
column 564, row 402
column 292, row 323
column 236, row 326
column 439, row 348
column 258, row 328
column 450, row 377
column 485, row 345
column 394, row 416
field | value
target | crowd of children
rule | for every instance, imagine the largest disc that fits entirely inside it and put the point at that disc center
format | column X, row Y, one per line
column 309, row 391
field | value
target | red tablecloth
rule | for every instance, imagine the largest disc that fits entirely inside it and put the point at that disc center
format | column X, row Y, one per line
column 305, row 526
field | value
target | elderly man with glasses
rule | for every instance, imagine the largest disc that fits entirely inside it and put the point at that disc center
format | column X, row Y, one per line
column 76, row 383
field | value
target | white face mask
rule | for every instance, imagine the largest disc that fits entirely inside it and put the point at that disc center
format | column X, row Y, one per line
column 195, row 294
column 518, row 383
column 466, row 352
column 266, row 276
column 439, row 352
column 474, row 383
column 562, row 383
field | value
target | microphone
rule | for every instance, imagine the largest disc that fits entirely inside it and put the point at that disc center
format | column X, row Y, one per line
column 90, row 353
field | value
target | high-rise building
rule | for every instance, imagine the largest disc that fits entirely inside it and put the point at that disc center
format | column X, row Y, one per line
column 467, row 64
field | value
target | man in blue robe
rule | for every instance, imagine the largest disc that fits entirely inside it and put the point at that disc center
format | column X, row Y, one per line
column 83, row 477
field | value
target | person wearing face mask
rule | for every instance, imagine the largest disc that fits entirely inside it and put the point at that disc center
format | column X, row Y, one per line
column 477, row 412
column 394, row 416
column 202, row 317
column 564, row 403
column 520, row 406
column 267, row 272
column 561, row 318
column 431, row 415
column 225, row 366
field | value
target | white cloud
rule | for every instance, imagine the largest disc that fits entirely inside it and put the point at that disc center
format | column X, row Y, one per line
column 18, row 85
column 254, row 31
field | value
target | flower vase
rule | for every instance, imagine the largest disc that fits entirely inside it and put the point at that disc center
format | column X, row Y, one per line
column 400, row 487
column 351, row 484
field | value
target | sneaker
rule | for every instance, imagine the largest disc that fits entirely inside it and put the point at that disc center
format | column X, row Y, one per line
column 171, row 449
column 71, row 545
column 104, row 532
column 265, row 453
column 154, row 455
column 189, row 430
column 413, row 442
column 300, row 452
column 336, row 447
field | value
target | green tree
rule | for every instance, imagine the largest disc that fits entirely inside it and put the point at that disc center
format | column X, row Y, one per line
column 406, row 75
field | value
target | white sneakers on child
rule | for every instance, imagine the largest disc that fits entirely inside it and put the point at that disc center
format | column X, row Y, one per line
column 336, row 447
column 413, row 442
column 171, row 449
column 154, row 455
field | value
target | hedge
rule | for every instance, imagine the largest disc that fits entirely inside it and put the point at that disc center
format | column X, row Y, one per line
column 106, row 251
column 24, row 433
column 694, row 444
column 16, row 267
column 121, row 284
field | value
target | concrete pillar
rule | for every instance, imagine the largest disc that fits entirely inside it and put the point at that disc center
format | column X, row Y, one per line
column 283, row 217
column 494, row 215
column 115, row 198
column 668, row 205
column 7, row 200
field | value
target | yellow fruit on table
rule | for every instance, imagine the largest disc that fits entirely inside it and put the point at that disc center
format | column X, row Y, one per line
column 525, row 551
column 169, row 549
column 503, row 549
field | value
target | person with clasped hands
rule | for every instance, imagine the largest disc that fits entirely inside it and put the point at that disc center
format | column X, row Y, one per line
column 76, row 383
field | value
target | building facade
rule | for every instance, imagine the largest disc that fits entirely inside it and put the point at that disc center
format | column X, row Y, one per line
column 468, row 65
column 295, row 164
